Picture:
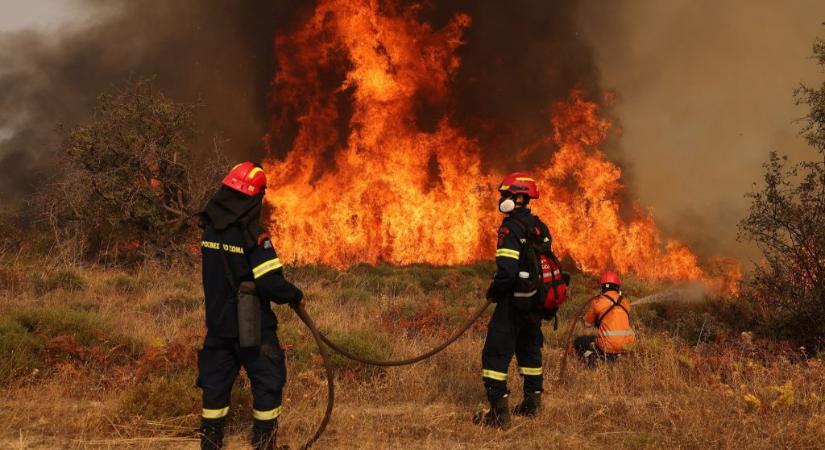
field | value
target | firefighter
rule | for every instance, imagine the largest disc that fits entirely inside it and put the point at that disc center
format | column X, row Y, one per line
column 511, row 331
column 609, row 316
column 236, row 249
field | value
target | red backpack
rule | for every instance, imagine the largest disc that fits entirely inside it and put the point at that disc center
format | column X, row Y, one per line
column 542, row 285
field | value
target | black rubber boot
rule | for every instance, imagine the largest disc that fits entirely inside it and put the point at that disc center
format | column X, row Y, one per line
column 497, row 417
column 264, row 435
column 211, row 433
column 529, row 406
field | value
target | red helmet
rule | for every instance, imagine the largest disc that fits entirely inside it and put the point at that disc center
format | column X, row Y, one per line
column 520, row 183
column 610, row 278
column 246, row 178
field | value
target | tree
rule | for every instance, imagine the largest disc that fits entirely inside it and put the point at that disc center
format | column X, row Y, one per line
column 786, row 220
column 132, row 184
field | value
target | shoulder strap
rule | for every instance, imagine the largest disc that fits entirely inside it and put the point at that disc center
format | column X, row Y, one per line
column 614, row 304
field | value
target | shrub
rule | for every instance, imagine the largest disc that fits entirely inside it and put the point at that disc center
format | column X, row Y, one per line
column 87, row 328
column 132, row 185
column 785, row 222
column 176, row 304
column 361, row 343
column 68, row 280
column 122, row 284
column 354, row 294
column 19, row 350
column 163, row 397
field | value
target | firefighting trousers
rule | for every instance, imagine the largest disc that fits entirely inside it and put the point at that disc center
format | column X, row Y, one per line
column 218, row 364
column 511, row 333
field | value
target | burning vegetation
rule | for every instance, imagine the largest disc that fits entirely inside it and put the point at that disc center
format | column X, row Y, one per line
column 367, row 179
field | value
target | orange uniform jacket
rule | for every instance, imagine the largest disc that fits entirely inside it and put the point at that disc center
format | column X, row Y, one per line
column 614, row 334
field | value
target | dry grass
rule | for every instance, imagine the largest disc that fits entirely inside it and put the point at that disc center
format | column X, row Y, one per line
column 671, row 393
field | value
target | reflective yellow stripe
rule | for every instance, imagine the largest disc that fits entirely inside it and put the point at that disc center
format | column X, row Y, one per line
column 627, row 332
column 530, row 370
column 215, row 413
column 507, row 253
column 493, row 375
column 267, row 415
column 254, row 172
column 267, row 266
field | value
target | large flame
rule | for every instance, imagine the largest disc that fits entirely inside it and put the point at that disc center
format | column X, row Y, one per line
column 373, row 186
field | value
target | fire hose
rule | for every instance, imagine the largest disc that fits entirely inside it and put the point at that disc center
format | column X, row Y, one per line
column 321, row 338
column 568, row 340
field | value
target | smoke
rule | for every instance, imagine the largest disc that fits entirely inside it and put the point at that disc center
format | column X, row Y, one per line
column 516, row 61
column 704, row 88
column 706, row 91
column 688, row 293
column 216, row 53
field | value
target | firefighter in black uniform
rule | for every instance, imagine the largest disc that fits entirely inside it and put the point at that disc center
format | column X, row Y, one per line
column 510, row 331
column 235, row 250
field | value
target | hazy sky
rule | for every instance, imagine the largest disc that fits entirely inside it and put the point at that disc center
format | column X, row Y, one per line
column 20, row 14
column 706, row 91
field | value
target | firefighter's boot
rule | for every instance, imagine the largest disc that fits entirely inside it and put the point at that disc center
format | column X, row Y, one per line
column 264, row 435
column 529, row 406
column 497, row 417
column 211, row 433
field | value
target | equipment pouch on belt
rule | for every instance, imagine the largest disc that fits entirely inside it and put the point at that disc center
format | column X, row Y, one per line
column 249, row 315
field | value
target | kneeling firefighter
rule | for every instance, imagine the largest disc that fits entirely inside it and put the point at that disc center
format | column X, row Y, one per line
column 241, row 275
column 609, row 315
column 528, row 286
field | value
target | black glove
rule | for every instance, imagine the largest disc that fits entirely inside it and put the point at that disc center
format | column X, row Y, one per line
column 491, row 295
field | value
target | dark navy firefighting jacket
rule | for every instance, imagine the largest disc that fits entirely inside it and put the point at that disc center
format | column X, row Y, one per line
column 511, row 239
column 259, row 263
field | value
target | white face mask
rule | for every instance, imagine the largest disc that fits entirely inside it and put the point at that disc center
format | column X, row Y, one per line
column 506, row 206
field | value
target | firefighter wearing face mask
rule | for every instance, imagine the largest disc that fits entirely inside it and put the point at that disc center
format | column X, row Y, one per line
column 510, row 331
column 240, row 267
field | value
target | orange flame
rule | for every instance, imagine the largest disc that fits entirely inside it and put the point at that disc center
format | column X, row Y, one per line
column 386, row 190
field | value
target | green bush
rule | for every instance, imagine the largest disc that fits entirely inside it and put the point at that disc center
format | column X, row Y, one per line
column 299, row 348
column 163, row 397
column 354, row 295
column 19, row 350
column 177, row 303
column 87, row 328
column 122, row 284
column 361, row 343
column 68, row 280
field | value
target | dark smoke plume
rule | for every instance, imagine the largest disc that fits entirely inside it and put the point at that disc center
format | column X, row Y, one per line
column 213, row 52
column 518, row 58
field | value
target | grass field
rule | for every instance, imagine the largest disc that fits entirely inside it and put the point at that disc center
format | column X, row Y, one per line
column 99, row 358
